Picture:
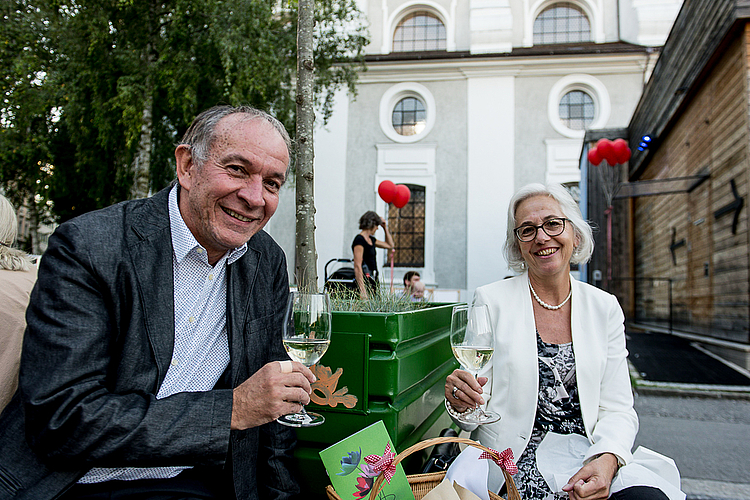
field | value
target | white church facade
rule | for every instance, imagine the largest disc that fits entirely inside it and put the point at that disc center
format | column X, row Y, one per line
column 465, row 101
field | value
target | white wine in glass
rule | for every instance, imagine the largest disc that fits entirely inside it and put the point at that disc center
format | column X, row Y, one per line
column 306, row 351
column 473, row 358
column 472, row 344
column 306, row 336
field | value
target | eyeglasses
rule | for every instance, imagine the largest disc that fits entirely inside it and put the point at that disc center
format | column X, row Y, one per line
column 551, row 227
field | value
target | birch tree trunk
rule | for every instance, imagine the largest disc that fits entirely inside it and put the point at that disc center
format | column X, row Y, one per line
column 142, row 161
column 306, row 255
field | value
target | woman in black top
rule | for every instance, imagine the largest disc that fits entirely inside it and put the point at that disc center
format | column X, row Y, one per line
column 363, row 246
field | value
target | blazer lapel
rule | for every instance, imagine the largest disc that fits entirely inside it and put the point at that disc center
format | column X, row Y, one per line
column 151, row 254
column 586, row 369
column 241, row 277
column 524, row 345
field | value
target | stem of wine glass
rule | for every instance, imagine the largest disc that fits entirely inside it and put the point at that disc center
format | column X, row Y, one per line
column 478, row 407
column 302, row 410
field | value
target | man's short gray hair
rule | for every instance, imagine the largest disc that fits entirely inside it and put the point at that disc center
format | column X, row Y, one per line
column 570, row 210
column 199, row 136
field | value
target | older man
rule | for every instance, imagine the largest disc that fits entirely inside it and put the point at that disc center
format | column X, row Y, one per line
column 150, row 364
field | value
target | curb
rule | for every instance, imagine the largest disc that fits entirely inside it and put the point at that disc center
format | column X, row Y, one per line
column 687, row 391
column 704, row 489
column 642, row 386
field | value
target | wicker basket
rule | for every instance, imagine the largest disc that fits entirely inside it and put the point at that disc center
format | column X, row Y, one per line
column 421, row 484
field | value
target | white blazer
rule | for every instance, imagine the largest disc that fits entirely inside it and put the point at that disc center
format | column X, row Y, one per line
column 606, row 397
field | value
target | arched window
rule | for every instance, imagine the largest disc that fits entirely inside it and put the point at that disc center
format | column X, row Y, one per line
column 577, row 110
column 562, row 23
column 419, row 31
column 409, row 116
column 407, row 226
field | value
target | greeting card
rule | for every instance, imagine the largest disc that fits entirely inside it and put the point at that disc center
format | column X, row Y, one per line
column 355, row 462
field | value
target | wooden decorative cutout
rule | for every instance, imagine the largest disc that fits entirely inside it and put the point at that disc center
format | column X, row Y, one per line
column 734, row 206
column 324, row 389
column 675, row 245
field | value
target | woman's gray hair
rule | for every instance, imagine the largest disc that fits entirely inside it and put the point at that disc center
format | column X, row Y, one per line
column 11, row 259
column 570, row 210
column 200, row 135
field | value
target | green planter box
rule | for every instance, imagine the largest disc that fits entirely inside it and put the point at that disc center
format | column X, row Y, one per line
column 393, row 366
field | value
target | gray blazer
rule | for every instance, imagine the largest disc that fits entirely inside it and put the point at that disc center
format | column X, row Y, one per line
column 99, row 340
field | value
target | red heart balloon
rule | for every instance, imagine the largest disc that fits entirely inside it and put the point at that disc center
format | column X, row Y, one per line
column 606, row 150
column 387, row 191
column 402, row 196
column 594, row 157
column 621, row 150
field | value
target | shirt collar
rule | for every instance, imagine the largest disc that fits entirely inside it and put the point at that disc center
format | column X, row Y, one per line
column 183, row 241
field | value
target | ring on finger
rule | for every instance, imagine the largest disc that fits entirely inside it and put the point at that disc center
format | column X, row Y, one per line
column 455, row 390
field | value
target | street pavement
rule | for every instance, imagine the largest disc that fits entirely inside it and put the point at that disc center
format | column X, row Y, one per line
column 694, row 408
column 708, row 438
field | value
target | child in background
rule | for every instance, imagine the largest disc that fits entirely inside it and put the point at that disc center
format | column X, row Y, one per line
column 417, row 291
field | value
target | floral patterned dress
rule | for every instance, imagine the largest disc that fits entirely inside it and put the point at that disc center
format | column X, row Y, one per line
column 558, row 410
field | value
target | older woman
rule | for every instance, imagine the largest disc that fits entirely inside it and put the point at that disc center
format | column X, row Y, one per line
column 559, row 365
column 363, row 248
column 17, row 278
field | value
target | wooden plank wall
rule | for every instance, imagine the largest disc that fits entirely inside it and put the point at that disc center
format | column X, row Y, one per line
column 697, row 32
column 711, row 273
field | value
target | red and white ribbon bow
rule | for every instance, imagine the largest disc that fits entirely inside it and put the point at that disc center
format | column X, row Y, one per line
column 504, row 459
column 383, row 464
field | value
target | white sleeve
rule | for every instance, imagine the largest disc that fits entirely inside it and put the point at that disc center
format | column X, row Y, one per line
column 617, row 423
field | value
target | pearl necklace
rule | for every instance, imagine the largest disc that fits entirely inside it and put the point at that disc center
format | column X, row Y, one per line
column 548, row 306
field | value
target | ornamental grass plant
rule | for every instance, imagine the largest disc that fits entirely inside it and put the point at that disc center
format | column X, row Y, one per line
column 381, row 300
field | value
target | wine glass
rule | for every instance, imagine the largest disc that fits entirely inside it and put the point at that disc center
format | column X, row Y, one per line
column 472, row 345
column 306, row 336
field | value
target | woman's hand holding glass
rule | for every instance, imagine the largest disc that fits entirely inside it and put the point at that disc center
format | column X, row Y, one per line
column 468, row 392
column 472, row 343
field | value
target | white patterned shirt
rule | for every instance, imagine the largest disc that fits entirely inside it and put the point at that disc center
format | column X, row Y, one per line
column 201, row 344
